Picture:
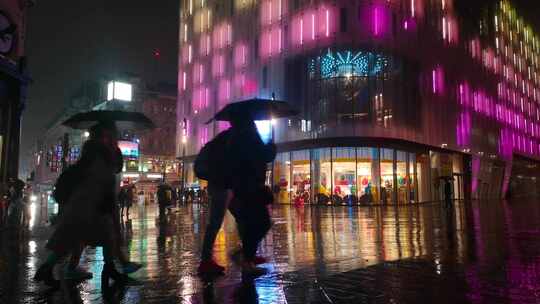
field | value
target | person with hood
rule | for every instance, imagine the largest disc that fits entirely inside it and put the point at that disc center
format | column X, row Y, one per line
column 90, row 215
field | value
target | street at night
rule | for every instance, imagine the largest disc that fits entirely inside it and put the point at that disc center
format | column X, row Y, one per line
column 488, row 253
column 269, row 151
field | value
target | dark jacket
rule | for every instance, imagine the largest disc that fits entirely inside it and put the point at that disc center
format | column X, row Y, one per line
column 249, row 157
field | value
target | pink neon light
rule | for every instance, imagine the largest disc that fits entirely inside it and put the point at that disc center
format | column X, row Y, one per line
column 204, row 45
column 204, row 135
column 240, row 55
column 434, row 81
column 244, row 86
column 376, row 22
column 271, row 42
column 313, row 24
column 186, row 54
column 184, row 81
column 200, row 100
column 272, row 11
column 224, row 91
column 437, row 79
column 218, row 65
column 222, row 35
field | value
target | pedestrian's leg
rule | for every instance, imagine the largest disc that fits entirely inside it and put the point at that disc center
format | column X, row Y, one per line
column 218, row 205
column 76, row 257
column 72, row 271
column 256, row 227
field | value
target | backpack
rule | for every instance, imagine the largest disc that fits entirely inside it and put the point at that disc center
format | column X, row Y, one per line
column 209, row 164
column 65, row 184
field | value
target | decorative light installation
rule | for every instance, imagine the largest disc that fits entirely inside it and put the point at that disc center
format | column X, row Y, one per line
column 204, row 45
column 200, row 99
column 376, row 19
column 272, row 11
column 348, row 64
column 313, row 25
column 271, row 42
column 218, row 65
column 224, row 91
column 222, row 35
column 240, row 55
column 198, row 73
column 202, row 21
column 203, row 136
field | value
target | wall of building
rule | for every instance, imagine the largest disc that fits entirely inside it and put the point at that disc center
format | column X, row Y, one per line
column 408, row 70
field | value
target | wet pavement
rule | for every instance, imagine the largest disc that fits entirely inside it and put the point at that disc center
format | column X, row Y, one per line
column 480, row 252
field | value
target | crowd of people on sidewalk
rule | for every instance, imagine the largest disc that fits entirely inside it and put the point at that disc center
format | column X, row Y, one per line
column 92, row 204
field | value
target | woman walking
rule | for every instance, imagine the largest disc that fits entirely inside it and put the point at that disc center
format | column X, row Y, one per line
column 90, row 216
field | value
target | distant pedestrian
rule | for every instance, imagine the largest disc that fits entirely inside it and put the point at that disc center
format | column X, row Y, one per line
column 125, row 198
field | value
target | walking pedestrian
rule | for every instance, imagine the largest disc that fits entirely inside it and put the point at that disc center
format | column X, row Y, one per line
column 90, row 216
column 211, row 165
column 248, row 159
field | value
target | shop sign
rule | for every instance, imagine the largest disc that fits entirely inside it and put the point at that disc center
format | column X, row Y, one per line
column 129, row 149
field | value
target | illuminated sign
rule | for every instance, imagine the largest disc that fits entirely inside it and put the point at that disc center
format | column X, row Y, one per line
column 129, row 149
column 119, row 91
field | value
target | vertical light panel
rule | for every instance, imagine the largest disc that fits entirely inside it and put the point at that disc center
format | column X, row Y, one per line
column 224, row 91
column 271, row 42
column 184, row 81
column 204, row 45
column 240, row 55
column 218, row 65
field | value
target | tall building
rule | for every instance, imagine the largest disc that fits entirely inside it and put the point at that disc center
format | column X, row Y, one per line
column 395, row 95
column 14, row 81
column 149, row 156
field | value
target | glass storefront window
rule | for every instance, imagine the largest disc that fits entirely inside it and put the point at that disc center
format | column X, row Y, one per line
column 321, row 165
column 387, row 176
column 401, row 177
column 301, row 177
column 282, row 177
column 344, row 176
column 367, row 175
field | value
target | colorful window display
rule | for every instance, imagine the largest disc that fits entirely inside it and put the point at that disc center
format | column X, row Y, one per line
column 321, row 164
column 367, row 175
column 387, row 176
column 344, row 174
column 301, row 178
column 402, row 177
column 352, row 176
column 282, row 177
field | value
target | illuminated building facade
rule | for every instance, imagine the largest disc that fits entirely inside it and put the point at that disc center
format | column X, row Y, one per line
column 394, row 94
column 14, row 83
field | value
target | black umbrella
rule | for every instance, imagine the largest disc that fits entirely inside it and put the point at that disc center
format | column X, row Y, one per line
column 122, row 119
column 256, row 109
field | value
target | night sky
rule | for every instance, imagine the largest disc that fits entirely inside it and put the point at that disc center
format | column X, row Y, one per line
column 69, row 42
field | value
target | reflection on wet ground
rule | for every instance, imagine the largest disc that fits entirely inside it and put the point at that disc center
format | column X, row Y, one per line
column 481, row 252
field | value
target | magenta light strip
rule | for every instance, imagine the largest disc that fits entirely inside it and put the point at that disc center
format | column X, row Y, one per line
column 376, row 21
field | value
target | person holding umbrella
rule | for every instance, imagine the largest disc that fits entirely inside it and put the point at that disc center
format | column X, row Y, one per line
column 244, row 170
column 90, row 215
